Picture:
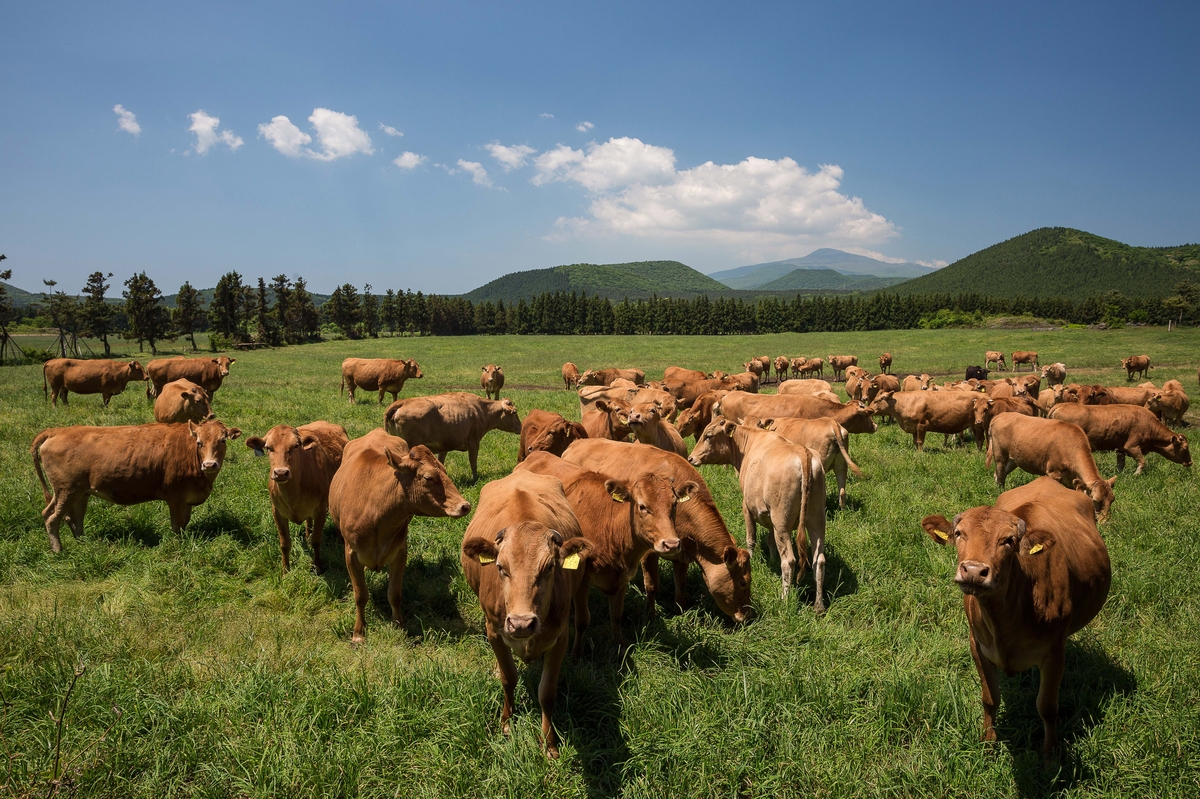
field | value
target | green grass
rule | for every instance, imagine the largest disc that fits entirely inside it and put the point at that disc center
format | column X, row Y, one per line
column 235, row 680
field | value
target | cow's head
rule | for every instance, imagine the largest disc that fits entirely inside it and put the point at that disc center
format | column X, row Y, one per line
column 983, row 411
column 555, row 437
column 1101, row 492
column 136, row 371
column 687, row 421
column 730, row 586
column 588, row 378
column 210, row 438
column 491, row 372
column 1177, row 451
column 990, row 543
column 283, row 445
column 652, row 501
column 715, row 444
column 412, row 369
column 527, row 557
column 223, row 363
column 427, row 487
column 618, row 416
column 507, row 419
column 195, row 401
column 645, row 416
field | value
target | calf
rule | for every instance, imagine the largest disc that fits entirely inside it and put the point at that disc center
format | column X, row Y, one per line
column 777, row 479
column 809, row 387
column 174, row 463
column 782, row 364
column 208, row 373
column 605, row 377
column 381, row 484
column 622, row 522
column 106, row 378
column 491, row 381
column 1049, row 447
column 977, row 373
column 885, row 363
column 725, row 567
column 1028, row 357
column 1136, row 364
column 852, row 416
column 1170, row 406
column 303, row 462
column 607, row 419
column 525, row 558
column 385, row 375
column 827, row 439
column 182, row 401
column 1054, row 373
column 813, row 366
column 570, row 375
column 544, row 431
column 915, row 383
column 995, row 357
column 1033, row 570
column 1127, row 429
column 649, row 427
column 798, row 366
column 454, row 422
column 922, row 412
column 839, row 363
column 694, row 419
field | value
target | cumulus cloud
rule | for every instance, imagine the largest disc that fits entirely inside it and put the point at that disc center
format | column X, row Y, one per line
column 338, row 135
column 389, row 130
column 584, row 127
column 934, row 264
column 757, row 206
column 207, row 136
column 126, row 120
column 546, row 115
column 407, row 160
column 510, row 158
column 476, row 171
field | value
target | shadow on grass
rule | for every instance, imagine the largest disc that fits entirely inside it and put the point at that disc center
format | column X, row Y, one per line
column 219, row 523
column 139, row 531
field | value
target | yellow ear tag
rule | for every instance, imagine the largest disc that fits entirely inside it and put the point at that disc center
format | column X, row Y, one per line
column 618, row 497
column 571, row 562
column 942, row 534
column 1036, row 548
column 685, row 497
column 486, row 559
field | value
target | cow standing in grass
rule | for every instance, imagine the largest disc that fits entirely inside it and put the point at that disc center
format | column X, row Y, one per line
column 106, row 378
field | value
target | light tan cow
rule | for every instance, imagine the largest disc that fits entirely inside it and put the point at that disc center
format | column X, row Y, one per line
column 491, row 380
column 208, row 373
column 798, row 366
column 385, row 375
column 1026, row 356
column 454, row 422
column 782, row 364
column 852, row 416
column 921, row 412
column 570, row 375
column 994, row 357
column 694, row 419
column 649, row 427
column 1054, row 373
column 605, row 377
column 839, row 363
column 1170, row 406
column 107, row 378
column 825, row 437
column 182, row 401
column 608, row 419
column 885, row 363
column 680, row 373
column 915, row 383
column 804, row 386
column 813, row 366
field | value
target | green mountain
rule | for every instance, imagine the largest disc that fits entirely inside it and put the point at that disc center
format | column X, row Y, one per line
column 1062, row 262
column 20, row 297
column 826, row 279
column 633, row 280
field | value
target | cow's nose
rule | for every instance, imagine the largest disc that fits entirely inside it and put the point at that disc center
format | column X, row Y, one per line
column 281, row 475
column 462, row 510
column 210, row 417
column 668, row 546
column 972, row 573
column 209, row 466
column 521, row 625
column 693, row 461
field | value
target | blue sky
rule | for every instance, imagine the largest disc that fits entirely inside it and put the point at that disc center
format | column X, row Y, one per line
column 720, row 134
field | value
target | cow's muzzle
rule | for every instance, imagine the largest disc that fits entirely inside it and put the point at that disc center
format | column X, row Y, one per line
column 667, row 546
column 975, row 578
column 460, row 511
column 281, row 475
column 210, row 467
column 520, row 626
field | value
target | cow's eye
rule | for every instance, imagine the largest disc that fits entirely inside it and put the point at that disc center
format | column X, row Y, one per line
column 642, row 508
column 501, row 570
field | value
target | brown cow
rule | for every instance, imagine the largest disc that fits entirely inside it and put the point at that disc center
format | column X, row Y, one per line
column 680, row 373
column 725, row 567
column 827, row 439
column 783, row 488
column 570, row 375
column 1136, row 364
column 491, row 381
column 694, row 419
column 809, row 387
column 175, row 463
column 525, row 558
column 798, row 365
column 1095, row 394
column 545, row 431
column 852, row 416
column 813, row 365
column 385, row 375
column 621, row 521
column 885, row 363
column 605, row 377
column 986, row 411
column 1170, row 406
column 649, row 427
column 1033, row 570
column 381, row 484
column 107, row 378
column 1028, row 357
column 685, row 392
column 857, row 384
column 915, row 383
column 609, row 419
column 839, row 363
column 922, row 412
column 782, row 364
column 454, row 422
column 1050, row 447
column 755, row 367
column 303, row 462
column 1054, row 373
column 208, row 373
column 666, row 403
column 182, row 401
column 742, row 381
column 994, row 357
column 1125, row 395
column 1126, row 429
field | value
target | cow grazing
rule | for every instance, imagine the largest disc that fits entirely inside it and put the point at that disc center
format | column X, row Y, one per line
column 809, row 387
column 608, row 419
column 208, row 373
column 680, row 373
column 1170, row 406
column 1127, row 429
column 685, row 392
column 1136, row 364
column 1054, row 373
column 1027, row 357
column 783, row 488
column 622, row 522
column 839, row 363
column 742, row 381
column 544, row 431
column 1033, row 570
column 798, row 365
column 852, row 416
column 491, row 381
column 725, row 567
column 995, row 357
column 526, row 559
column 182, row 401
column 977, row 373
column 827, row 439
column 381, row 484
column 915, row 383
column 813, row 366
column 570, row 375
column 923, row 412
column 1049, row 447
column 107, row 378
column 782, row 364
column 694, row 419
column 454, row 422
column 174, row 463
column 605, row 377
column 649, row 427
column 885, row 363
column 303, row 462
column 385, row 375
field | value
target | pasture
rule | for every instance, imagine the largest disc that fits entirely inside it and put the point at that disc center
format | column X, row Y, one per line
column 234, row 680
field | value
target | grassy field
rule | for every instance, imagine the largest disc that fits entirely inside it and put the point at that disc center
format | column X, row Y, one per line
column 234, row 680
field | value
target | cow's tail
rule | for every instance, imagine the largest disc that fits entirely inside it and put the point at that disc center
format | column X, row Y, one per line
column 342, row 388
column 841, row 437
column 991, row 457
column 805, row 490
column 45, row 390
column 35, row 451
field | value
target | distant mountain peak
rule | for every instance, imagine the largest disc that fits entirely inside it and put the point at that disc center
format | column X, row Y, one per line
column 758, row 276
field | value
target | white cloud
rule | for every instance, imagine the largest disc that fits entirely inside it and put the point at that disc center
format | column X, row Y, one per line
column 338, row 134
column 756, row 207
column 934, row 264
column 207, row 136
column 545, row 115
column 510, row 158
column 126, row 120
column 407, row 160
column 584, row 127
column 389, row 130
column 878, row 256
column 476, row 171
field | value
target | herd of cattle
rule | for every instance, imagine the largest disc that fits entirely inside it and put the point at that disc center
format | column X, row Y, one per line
column 591, row 501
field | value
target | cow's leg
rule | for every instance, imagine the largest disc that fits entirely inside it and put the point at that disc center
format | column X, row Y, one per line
column 181, row 514
column 473, row 456
column 1009, row 466
column 396, row 582
column 75, row 514
column 285, row 538
column 1120, row 460
column 751, row 528
column 583, row 615
column 680, row 570
column 1137, row 454
column 64, row 396
column 1001, row 459
column 548, row 692
column 1051, row 669
column 650, row 581
column 441, row 456
column 919, row 436
column 107, row 397
column 358, row 581
column 781, row 534
column 351, row 392
column 989, row 683
column 816, row 544
column 53, row 514
column 839, row 470
column 316, row 533
column 381, row 393
column 508, row 674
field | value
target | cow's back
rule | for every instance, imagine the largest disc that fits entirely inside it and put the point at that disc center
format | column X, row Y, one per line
column 126, row 465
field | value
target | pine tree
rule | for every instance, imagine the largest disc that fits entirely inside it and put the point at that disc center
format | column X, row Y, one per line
column 226, row 309
column 370, row 312
column 189, row 314
column 306, row 320
column 389, row 311
column 149, row 320
column 344, row 310
column 282, row 317
column 96, row 315
column 265, row 331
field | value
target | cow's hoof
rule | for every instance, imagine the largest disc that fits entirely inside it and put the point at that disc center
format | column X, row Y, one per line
column 357, row 641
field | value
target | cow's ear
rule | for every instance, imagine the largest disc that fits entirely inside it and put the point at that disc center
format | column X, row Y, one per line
column 687, row 491
column 192, row 428
column 480, row 549
column 214, row 360
column 399, row 463
column 617, row 491
column 574, row 552
column 256, row 443
column 232, row 432
column 938, row 528
column 1112, row 481
column 308, row 441
column 730, row 428
column 233, row 360
column 730, row 556
column 766, row 424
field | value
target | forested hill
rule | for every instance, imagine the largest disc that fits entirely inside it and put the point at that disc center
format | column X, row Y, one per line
column 636, row 280
column 1062, row 262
